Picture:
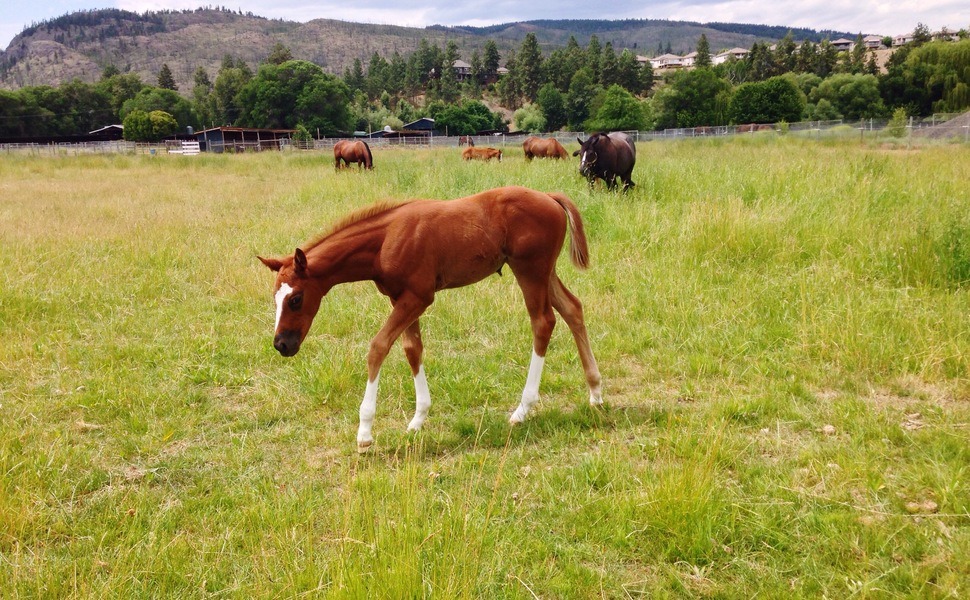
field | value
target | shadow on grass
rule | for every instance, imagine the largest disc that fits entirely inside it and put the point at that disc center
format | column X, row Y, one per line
column 491, row 429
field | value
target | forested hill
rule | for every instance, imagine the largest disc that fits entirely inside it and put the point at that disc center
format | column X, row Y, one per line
column 81, row 44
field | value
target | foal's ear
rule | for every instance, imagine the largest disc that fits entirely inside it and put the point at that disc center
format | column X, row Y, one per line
column 272, row 263
column 299, row 261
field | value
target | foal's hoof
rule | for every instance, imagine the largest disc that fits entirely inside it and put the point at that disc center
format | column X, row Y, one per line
column 364, row 447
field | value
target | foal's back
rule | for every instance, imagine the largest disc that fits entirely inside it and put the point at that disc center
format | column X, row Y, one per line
column 462, row 241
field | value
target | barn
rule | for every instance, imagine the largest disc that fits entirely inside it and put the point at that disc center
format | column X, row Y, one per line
column 242, row 139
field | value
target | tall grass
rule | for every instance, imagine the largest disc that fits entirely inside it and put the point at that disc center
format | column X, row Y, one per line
column 783, row 328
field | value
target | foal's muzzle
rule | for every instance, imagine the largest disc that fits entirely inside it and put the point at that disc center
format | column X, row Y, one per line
column 287, row 343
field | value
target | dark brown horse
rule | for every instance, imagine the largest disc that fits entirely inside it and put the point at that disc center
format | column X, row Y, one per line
column 413, row 250
column 607, row 156
column 465, row 140
column 535, row 147
column 485, row 154
column 352, row 151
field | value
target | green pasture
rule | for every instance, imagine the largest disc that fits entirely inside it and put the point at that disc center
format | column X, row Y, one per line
column 782, row 325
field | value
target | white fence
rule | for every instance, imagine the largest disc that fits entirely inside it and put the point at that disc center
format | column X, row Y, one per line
column 935, row 126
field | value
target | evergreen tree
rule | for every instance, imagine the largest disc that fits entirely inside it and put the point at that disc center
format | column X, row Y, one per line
column 628, row 73
column 529, row 63
column 609, row 70
column 109, row 71
column 490, row 59
column 377, row 75
column 594, row 54
column 279, row 54
column 762, row 63
column 202, row 98
column 826, row 59
column 805, row 58
column 785, row 54
column 703, row 59
column 165, row 79
column 508, row 86
column 582, row 91
column 396, row 74
column 858, row 55
column 477, row 78
column 556, row 69
column 354, row 76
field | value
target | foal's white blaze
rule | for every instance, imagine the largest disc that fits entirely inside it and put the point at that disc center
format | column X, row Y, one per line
column 423, row 402
column 281, row 294
column 531, row 392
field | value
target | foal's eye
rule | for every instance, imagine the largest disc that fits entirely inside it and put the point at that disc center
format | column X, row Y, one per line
column 295, row 301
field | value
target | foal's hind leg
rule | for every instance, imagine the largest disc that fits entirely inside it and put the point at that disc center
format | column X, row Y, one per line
column 536, row 292
column 413, row 348
column 571, row 309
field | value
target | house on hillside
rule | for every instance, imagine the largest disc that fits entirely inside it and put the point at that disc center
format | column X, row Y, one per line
column 873, row 42
column 843, row 45
column 667, row 61
column 463, row 70
column 688, row 60
column 902, row 39
column 736, row 53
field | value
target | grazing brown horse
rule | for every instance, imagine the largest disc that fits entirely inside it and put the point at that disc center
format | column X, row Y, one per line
column 352, row 151
column 535, row 147
column 413, row 250
column 466, row 140
column 607, row 156
column 485, row 154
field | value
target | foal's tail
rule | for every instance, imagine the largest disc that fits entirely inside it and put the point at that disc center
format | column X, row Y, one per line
column 578, row 250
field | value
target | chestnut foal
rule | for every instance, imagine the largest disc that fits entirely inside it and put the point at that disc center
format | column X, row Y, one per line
column 413, row 249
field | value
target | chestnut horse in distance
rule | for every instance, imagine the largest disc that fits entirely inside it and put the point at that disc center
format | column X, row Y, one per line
column 485, row 154
column 352, row 151
column 535, row 147
column 414, row 249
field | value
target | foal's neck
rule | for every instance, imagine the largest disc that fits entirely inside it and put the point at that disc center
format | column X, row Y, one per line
column 347, row 255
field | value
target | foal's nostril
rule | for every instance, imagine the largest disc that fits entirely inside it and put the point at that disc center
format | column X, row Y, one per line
column 280, row 346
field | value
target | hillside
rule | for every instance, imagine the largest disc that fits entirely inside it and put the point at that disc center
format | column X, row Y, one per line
column 81, row 44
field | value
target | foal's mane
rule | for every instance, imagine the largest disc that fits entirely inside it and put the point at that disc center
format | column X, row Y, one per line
column 355, row 217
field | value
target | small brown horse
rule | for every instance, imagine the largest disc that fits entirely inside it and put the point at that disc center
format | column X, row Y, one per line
column 485, row 154
column 535, row 147
column 465, row 140
column 352, row 151
column 413, row 250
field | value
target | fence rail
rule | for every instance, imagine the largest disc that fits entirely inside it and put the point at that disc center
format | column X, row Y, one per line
column 935, row 126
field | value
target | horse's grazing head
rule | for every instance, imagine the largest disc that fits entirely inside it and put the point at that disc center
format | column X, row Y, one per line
column 297, row 298
column 588, row 153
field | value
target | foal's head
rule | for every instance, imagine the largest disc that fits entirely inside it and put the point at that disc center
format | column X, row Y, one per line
column 297, row 300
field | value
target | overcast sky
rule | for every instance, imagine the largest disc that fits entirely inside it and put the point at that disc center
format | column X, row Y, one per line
column 882, row 17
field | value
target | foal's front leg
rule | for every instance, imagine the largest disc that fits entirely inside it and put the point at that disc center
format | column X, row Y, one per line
column 407, row 309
